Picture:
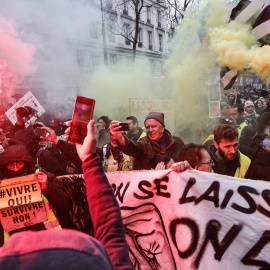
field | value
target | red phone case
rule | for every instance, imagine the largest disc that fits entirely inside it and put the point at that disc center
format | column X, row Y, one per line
column 82, row 114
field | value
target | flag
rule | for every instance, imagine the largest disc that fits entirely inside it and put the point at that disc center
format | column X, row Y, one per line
column 261, row 27
column 245, row 10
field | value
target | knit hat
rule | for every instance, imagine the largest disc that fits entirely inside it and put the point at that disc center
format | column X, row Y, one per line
column 159, row 116
column 228, row 120
column 53, row 249
column 248, row 103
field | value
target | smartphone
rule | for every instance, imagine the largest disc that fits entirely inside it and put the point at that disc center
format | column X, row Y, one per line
column 124, row 127
column 82, row 114
column 40, row 132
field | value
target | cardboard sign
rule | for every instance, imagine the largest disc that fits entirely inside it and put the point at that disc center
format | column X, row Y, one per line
column 142, row 106
column 18, row 191
column 14, row 218
column 194, row 220
column 21, row 203
column 27, row 100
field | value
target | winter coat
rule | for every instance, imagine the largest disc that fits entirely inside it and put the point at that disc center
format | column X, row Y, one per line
column 145, row 149
column 69, row 150
column 260, row 158
column 105, row 213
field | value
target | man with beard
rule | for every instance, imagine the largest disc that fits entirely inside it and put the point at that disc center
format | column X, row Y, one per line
column 228, row 160
column 135, row 132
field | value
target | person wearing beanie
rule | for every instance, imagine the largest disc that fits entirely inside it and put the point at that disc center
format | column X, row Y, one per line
column 231, row 98
column 158, row 141
column 250, row 114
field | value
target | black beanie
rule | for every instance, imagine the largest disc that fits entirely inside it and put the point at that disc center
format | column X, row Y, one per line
column 157, row 116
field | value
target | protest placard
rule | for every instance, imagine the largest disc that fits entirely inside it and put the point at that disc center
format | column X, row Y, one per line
column 140, row 107
column 21, row 203
column 194, row 220
column 27, row 100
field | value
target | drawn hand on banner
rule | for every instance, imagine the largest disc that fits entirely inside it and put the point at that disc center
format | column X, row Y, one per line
column 89, row 144
column 42, row 179
column 149, row 247
column 181, row 166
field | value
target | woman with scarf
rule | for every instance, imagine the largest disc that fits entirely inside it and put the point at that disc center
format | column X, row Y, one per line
column 250, row 115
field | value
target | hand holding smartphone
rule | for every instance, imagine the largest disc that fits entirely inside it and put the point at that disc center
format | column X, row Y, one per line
column 82, row 114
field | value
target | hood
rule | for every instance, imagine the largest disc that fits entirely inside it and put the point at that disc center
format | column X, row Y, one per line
column 27, row 138
column 16, row 153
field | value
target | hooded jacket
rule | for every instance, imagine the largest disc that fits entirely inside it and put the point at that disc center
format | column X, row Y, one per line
column 17, row 153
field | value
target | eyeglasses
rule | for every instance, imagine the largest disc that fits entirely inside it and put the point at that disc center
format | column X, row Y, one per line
column 210, row 162
column 152, row 126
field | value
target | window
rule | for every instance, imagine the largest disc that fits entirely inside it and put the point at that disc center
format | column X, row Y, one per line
column 140, row 38
column 125, row 5
column 127, row 33
column 160, row 40
column 148, row 15
column 93, row 30
column 111, row 33
column 113, row 60
column 150, row 40
column 152, row 65
column 159, row 18
column 129, row 62
column 96, row 61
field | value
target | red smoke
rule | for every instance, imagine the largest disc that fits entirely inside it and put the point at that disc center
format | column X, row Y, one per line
column 16, row 56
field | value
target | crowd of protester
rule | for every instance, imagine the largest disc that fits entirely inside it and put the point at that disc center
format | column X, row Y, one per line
column 236, row 145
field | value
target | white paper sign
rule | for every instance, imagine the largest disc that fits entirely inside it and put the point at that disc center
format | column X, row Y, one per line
column 27, row 100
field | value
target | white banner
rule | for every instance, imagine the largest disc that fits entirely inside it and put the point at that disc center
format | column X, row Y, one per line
column 194, row 220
